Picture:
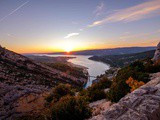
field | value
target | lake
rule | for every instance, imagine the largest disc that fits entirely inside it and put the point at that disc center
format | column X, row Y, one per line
column 94, row 68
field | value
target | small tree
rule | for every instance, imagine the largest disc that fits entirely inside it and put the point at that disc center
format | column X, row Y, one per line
column 70, row 108
column 134, row 84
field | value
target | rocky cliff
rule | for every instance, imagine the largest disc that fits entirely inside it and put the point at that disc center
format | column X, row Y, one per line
column 141, row 104
column 156, row 57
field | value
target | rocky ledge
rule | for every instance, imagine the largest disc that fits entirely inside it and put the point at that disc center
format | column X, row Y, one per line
column 16, row 100
column 141, row 104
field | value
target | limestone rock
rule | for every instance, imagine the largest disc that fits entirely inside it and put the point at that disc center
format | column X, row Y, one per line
column 156, row 57
column 141, row 104
column 17, row 100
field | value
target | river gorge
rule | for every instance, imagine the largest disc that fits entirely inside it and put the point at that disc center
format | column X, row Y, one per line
column 94, row 68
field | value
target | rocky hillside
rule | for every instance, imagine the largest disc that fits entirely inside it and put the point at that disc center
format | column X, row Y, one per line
column 141, row 104
column 24, row 84
column 17, row 69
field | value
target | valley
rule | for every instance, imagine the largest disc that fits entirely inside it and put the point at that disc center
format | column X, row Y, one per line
column 27, row 83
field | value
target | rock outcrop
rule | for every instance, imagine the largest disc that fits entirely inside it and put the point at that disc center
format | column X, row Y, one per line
column 141, row 104
column 156, row 57
column 16, row 100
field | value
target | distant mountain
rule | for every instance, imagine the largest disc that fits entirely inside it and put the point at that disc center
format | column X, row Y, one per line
column 113, row 51
column 123, row 60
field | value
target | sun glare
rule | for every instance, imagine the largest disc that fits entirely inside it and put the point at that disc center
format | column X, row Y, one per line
column 68, row 47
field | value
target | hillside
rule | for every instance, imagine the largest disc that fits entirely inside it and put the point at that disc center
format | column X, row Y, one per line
column 19, row 69
column 123, row 60
column 141, row 104
column 25, row 83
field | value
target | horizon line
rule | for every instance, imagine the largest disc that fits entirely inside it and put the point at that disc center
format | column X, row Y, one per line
column 84, row 50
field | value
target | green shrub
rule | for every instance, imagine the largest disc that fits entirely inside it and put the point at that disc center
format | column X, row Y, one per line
column 96, row 91
column 102, row 84
column 60, row 91
column 70, row 108
column 96, row 94
column 151, row 67
column 117, row 91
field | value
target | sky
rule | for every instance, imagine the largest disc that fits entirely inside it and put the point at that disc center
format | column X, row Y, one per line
column 33, row 26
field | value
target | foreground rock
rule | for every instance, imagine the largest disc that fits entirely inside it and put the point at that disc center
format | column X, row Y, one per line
column 17, row 100
column 99, row 106
column 141, row 104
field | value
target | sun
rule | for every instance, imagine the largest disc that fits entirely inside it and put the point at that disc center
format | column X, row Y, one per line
column 68, row 47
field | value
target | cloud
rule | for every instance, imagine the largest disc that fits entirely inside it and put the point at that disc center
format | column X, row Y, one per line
column 129, row 36
column 99, row 9
column 134, row 13
column 81, row 29
column 71, row 35
column 13, row 11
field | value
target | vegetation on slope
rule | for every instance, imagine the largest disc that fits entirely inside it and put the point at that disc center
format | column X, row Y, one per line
column 65, row 105
column 123, row 60
column 96, row 91
column 16, row 68
column 74, row 71
column 138, row 70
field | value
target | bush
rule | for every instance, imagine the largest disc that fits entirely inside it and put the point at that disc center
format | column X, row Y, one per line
column 93, row 94
column 96, row 94
column 151, row 67
column 70, row 108
column 102, row 84
column 119, row 88
column 134, row 84
column 60, row 91
column 117, row 91
column 96, row 91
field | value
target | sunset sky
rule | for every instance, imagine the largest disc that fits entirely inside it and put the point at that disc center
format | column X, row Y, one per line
column 28, row 26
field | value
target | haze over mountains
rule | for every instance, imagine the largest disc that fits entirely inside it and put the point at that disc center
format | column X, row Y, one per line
column 123, row 60
column 112, row 51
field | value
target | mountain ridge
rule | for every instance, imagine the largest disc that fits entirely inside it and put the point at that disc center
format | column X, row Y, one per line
column 110, row 51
